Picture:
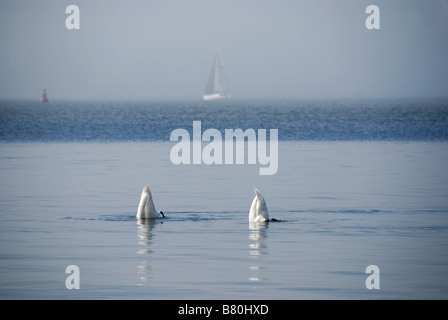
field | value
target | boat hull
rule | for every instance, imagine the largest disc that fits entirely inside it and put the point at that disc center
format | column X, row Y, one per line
column 215, row 96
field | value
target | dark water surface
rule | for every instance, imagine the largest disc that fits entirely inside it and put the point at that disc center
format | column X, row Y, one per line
column 154, row 121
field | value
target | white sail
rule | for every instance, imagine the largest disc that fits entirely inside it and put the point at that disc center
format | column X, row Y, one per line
column 217, row 87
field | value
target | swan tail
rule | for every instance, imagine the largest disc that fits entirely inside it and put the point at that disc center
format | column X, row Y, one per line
column 258, row 210
column 147, row 191
column 146, row 206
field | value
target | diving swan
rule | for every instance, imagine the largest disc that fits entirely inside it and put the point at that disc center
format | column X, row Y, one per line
column 146, row 208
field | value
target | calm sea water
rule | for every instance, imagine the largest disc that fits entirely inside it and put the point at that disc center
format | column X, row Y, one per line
column 358, row 184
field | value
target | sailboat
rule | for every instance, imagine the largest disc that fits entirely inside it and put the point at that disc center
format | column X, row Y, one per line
column 44, row 96
column 217, row 87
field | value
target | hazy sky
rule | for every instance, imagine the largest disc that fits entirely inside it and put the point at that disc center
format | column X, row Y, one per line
column 163, row 49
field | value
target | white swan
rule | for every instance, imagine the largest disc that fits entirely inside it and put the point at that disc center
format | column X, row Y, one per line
column 146, row 208
column 258, row 211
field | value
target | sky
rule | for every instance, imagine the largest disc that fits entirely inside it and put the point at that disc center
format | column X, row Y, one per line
column 271, row 49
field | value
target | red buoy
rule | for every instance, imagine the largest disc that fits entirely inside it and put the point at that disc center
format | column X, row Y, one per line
column 44, row 97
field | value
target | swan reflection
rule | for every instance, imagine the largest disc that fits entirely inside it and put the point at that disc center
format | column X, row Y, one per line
column 145, row 239
column 257, row 248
